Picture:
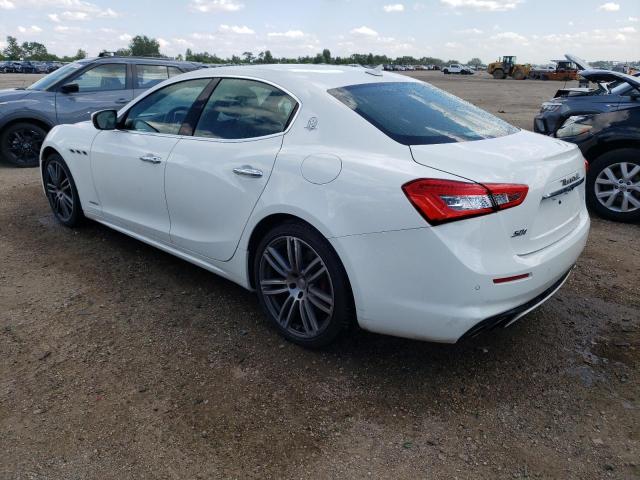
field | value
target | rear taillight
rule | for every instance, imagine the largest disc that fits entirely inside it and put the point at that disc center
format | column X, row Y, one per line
column 441, row 201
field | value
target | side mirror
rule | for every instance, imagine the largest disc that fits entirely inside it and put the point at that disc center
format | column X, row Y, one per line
column 105, row 119
column 70, row 88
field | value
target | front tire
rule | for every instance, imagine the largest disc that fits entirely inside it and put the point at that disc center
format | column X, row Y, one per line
column 499, row 74
column 613, row 185
column 61, row 191
column 20, row 144
column 302, row 285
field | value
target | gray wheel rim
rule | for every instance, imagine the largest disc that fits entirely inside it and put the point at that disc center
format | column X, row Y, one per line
column 617, row 187
column 59, row 190
column 296, row 287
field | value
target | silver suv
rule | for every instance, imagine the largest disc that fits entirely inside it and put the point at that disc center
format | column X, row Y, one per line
column 71, row 94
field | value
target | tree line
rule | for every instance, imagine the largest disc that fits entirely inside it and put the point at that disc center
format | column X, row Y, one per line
column 144, row 46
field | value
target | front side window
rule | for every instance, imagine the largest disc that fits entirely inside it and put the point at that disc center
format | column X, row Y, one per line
column 165, row 110
column 103, row 78
column 415, row 113
column 149, row 75
column 241, row 108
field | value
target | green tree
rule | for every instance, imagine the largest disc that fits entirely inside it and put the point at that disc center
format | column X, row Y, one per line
column 474, row 62
column 143, row 46
column 326, row 54
column 80, row 54
column 248, row 57
column 34, row 51
column 268, row 58
column 12, row 51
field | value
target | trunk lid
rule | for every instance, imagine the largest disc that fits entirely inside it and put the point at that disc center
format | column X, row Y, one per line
column 547, row 166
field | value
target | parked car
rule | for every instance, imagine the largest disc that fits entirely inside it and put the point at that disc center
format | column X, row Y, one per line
column 12, row 66
column 28, row 67
column 71, row 94
column 605, row 124
column 330, row 207
column 454, row 68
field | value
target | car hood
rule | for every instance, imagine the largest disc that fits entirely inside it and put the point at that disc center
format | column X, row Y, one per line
column 580, row 63
column 606, row 76
column 13, row 94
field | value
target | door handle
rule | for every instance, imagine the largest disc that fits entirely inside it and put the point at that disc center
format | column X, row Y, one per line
column 248, row 171
column 122, row 101
column 151, row 158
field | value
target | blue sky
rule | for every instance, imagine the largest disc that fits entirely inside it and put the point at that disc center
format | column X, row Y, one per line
column 535, row 30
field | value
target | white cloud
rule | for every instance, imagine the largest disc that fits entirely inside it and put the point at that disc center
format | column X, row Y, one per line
column 54, row 17
column 7, row 5
column 366, row 31
column 240, row 30
column 609, row 7
column 452, row 45
column 209, row 6
column 31, row 29
column 396, row 7
column 471, row 31
column 633, row 19
column 75, row 16
column 108, row 13
column 570, row 23
column 510, row 36
column 287, row 34
column 125, row 37
column 628, row 30
column 488, row 5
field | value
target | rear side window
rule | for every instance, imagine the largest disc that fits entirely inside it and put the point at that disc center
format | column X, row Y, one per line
column 241, row 108
column 415, row 113
column 149, row 75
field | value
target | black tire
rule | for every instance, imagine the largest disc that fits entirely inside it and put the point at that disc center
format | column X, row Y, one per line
column 445, row 71
column 296, row 297
column 20, row 144
column 630, row 187
column 67, row 212
column 499, row 74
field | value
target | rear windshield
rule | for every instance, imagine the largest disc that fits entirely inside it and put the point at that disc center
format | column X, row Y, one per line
column 415, row 113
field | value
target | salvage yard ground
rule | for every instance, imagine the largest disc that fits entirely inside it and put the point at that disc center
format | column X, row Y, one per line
column 119, row 361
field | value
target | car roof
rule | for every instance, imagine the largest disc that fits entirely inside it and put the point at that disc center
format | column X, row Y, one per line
column 303, row 79
column 138, row 60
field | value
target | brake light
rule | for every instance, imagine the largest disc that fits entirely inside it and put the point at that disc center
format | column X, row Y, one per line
column 441, row 201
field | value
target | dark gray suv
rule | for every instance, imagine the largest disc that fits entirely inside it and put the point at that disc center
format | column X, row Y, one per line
column 71, row 94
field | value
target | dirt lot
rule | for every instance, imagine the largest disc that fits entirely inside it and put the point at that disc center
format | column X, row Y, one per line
column 119, row 361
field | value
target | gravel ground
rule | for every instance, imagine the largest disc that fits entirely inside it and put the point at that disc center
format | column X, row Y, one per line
column 120, row 361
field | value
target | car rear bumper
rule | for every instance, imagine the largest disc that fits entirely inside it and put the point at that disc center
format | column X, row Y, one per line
column 415, row 284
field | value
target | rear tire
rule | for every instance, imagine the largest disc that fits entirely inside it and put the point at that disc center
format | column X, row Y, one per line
column 613, row 185
column 20, row 144
column 61, row 191
column 302, row 285
column 445, row 71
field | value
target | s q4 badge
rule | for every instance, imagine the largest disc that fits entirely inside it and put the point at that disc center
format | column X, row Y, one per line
column 312, row 124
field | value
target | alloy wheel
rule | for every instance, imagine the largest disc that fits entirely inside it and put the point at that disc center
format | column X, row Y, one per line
column 617, row 187
column 24, row 144
column 59, row 190
column 296, row 287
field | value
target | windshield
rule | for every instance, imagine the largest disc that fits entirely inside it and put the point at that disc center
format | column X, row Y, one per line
column 55, row 77
column 415, row 113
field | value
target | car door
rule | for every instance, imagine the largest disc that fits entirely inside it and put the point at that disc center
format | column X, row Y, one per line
column 214, row 178
column 128, row 164
column 104, row 86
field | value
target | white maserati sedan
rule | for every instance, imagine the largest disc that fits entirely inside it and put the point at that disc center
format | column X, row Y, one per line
column 339, row 195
